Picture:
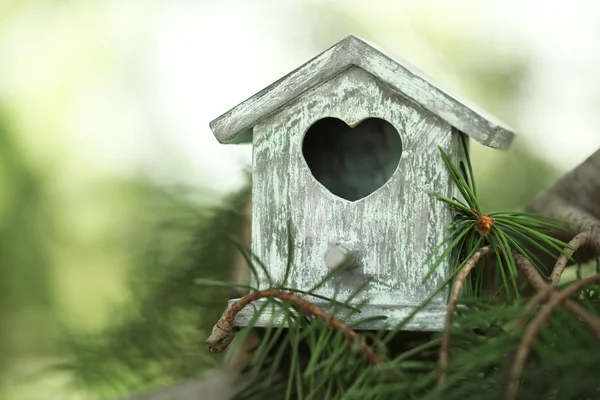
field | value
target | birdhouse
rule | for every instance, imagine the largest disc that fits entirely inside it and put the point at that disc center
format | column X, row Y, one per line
column 345, row 149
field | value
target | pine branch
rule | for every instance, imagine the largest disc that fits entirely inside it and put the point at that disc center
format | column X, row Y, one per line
column 545, row 291
column 536, row 325
column 535, row 280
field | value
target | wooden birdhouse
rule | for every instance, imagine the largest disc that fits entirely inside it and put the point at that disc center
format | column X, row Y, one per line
column 345, row 149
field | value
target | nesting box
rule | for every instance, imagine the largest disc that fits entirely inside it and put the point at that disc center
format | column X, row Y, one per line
column 345, row 149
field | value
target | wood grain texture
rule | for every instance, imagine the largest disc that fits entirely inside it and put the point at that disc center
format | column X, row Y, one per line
column 391, row 230
column 429, row 319
column 236, row 125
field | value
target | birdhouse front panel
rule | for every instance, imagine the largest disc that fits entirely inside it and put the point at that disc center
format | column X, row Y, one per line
column 349, row 164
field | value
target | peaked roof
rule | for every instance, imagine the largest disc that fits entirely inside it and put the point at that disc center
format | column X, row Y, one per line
column 235, row 126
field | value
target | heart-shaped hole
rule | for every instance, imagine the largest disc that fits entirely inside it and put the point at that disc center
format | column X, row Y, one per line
column 351, row 162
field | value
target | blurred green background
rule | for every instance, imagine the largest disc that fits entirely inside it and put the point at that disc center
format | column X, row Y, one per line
column 114, row 195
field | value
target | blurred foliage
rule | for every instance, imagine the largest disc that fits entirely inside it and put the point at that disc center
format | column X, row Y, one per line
column 157, row 339
column 508, row 180
column 170, row 237
column 24, row 227
column 25, row 223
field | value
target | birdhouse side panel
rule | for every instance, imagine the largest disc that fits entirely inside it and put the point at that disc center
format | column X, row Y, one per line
column 391, row 231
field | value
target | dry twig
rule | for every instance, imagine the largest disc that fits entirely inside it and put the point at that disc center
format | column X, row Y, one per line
column 536, row 325
column 457, row 286
column 223, row 332
column 545, row 290
column 581, row 239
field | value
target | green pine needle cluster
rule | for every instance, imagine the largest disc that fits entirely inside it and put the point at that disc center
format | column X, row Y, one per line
column 510, row 231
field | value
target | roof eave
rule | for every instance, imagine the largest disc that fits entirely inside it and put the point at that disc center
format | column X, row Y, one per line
column 248, row 113
column 234, row 125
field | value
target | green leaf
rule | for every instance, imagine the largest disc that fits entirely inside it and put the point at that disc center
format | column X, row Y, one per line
column 463, row 141
column 290, row 254
column 460, row 182
column 455, row 204
column 552, row 242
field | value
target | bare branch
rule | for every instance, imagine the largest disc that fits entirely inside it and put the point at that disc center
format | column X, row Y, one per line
column 581, row 239
column 530, row 272
column 536, row 325
column 457, row 286
column 545, row 290
column 223, row 331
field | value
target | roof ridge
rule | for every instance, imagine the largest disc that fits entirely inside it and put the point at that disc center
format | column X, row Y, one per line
column 236, row 124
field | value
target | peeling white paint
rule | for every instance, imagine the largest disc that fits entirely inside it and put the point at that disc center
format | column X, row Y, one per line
column 392, row 230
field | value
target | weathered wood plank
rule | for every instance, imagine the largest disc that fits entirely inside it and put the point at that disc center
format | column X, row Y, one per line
column 429, row 319
column 391, row 231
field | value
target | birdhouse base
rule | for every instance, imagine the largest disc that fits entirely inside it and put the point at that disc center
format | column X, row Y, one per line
column 430, row 318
